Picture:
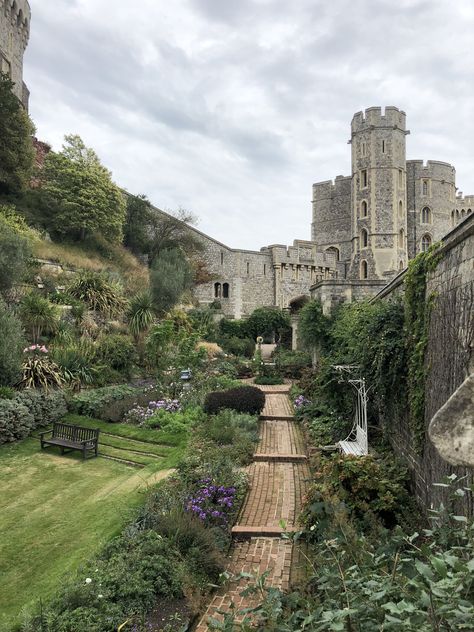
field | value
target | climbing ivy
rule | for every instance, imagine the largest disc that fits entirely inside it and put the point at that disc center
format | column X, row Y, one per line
column 417, row 317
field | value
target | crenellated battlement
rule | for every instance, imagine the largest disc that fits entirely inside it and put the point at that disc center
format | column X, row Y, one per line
column 376, row 117
column 18, row 14
column 435, row 169
column 332, row 188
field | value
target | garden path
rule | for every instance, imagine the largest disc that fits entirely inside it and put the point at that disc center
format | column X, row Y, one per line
column 279, row 477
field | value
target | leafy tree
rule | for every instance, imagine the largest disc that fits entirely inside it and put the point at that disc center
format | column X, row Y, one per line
column 83, row 194
column 11, row 349
column 267, row 321
column 15, row 254
column 170, row 276
column 138, row 224
column 313, row 324
column 16, row 148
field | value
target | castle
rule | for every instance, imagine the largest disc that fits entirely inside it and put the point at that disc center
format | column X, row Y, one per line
column 15, row 16
column 365, row 226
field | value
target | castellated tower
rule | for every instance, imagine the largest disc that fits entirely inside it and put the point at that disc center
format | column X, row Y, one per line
column 14, row 34
column 379, row 194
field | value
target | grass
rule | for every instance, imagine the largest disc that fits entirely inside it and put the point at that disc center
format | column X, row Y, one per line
column 57, row 511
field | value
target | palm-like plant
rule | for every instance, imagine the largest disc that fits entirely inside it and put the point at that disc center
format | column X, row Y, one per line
column 38, row 315
column 98, row 293
column 140, row 314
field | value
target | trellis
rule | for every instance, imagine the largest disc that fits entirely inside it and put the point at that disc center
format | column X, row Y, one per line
column 357, row 441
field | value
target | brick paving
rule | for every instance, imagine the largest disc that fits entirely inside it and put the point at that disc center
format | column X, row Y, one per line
column 279, row 477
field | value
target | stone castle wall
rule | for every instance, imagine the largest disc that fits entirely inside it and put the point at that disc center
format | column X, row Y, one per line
column 449, row 358
column 331, row 225
column 15, row 16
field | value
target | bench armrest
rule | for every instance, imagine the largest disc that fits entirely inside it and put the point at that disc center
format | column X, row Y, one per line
column 45, row 432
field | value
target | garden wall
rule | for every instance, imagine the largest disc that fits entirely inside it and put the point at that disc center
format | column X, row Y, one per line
column 449, row 357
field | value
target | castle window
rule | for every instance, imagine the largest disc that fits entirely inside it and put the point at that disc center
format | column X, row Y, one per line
column 425, row 187
column 383, row 146
column 363, row 178
column 469, row 211
column 217, row 290
column 225, row 290
column 463, row 214
column 363, row 269
column 400, row 209
column 401, row 238
column 248, row 267
column 452, row 218
column 425, row 243
column 363, row 209
column 401, row 265
column 426, row 215
column 222, row 258
column 363, row 149
column 364, row 238
column 264, row 269
column 333, row 250
column 457, row 215
column 400, row 178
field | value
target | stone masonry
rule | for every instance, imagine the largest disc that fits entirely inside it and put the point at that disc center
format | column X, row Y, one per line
column 15, row 18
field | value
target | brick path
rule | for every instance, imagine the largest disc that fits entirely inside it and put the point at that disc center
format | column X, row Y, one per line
column 279, row 478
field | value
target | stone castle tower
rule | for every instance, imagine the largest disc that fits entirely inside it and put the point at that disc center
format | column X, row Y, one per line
column 386, row 212
column 15, row 18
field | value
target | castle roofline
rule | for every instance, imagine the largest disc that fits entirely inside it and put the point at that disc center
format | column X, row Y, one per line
column 430, row 162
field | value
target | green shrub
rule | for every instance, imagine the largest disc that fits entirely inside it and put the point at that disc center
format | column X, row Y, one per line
column 175, row 422
column 237, row 346
column 269, row 380
column 93, row 403
column 38, row 315
column 76, row 361
column 6, row 392
column 40, row 371
column 244, row 399
column 11, row 347
column 29, row 410
column 15, row 253
column 116, row 352
column 98, row 293
column 292, row 363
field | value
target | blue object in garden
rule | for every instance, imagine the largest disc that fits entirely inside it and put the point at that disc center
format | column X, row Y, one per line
column 186, row 375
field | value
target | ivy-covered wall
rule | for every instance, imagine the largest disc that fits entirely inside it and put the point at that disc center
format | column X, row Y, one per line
column 442, row 325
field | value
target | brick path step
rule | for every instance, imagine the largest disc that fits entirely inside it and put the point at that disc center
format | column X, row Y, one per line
column 280, row 458
column 263, row 531
column 277, row 405
column 280, row 437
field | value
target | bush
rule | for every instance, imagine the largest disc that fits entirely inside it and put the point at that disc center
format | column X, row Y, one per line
column 27, row 411
column 244, row 399
column 98, row 293
column 15, row 253
column 6, row 392
column 11, row 347
column 116, row 352
column 39, row 371
column 94, row 402
column 39, row 316
column 237, row 346
column 292, row 363
column 269, row 380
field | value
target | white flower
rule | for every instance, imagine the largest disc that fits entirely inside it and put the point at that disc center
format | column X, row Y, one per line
column 100, row 596
column 88, row 580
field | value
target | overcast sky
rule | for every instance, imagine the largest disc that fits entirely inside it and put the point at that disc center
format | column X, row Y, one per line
column 231, row 109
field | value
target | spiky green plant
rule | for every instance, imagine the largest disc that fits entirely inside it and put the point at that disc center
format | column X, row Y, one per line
column 140, row 314
column 38, row 315
column 98, row 293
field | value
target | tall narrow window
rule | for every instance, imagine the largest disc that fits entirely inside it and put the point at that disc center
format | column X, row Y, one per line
column 425, row 243
column 469, row 211
column 401, row 238
column 364, row 238
column 264, row 269
column 425, row 187
column 401, row 265
column 400, row 209
column 426, row 215
column 383, row 146
column 463, row 214
column 217, row 290
column 248, row 267
column 363, row 209
column 452, row 218
column 225, row 290
column 363, row 269
column 363, row 178
column 222, row 258
column 400, row 178
column 363, row 149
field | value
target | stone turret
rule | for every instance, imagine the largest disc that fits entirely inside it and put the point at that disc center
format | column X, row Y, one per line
column 379, row 196
column 15, row 16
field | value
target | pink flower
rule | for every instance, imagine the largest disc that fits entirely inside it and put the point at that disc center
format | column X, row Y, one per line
column 43, row 349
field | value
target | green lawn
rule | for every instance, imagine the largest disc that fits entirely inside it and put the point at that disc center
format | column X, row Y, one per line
column 57, row 511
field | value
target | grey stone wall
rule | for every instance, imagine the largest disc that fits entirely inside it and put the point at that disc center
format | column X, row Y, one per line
column 15, row 18
column 464, row 206
column 449, row 358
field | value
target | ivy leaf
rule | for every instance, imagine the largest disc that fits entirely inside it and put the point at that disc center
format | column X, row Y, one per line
column 424, row 570
column 439, row 566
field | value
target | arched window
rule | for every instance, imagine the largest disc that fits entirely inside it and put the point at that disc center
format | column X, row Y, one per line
column 400, row 209
column 401, row 265
column 463, row 213
column 363, row 209
column 225, row 290
column 401, row 238
column 333, row 250
column 425, row 187
column 469, row 211
column 217, row 290
column 452, row 218
column 363, row 269
column 457, row 215
column 364, row 238
column 426, row 215
column 425, row 243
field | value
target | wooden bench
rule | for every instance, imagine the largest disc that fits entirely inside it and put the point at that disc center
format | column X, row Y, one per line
column 70, row 438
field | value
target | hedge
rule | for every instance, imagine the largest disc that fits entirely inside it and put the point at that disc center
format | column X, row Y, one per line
column 28, row 410
column 244, row 399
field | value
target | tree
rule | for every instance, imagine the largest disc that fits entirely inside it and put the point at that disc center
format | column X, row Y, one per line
column 86, row 199
column 313, row 324
column 170, row 276
column 16, row 148
column 15, row 254
column 138, row 225
column 267, row 321
column 11, row 349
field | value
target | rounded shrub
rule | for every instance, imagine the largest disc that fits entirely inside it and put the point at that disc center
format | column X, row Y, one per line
column 244, row 399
